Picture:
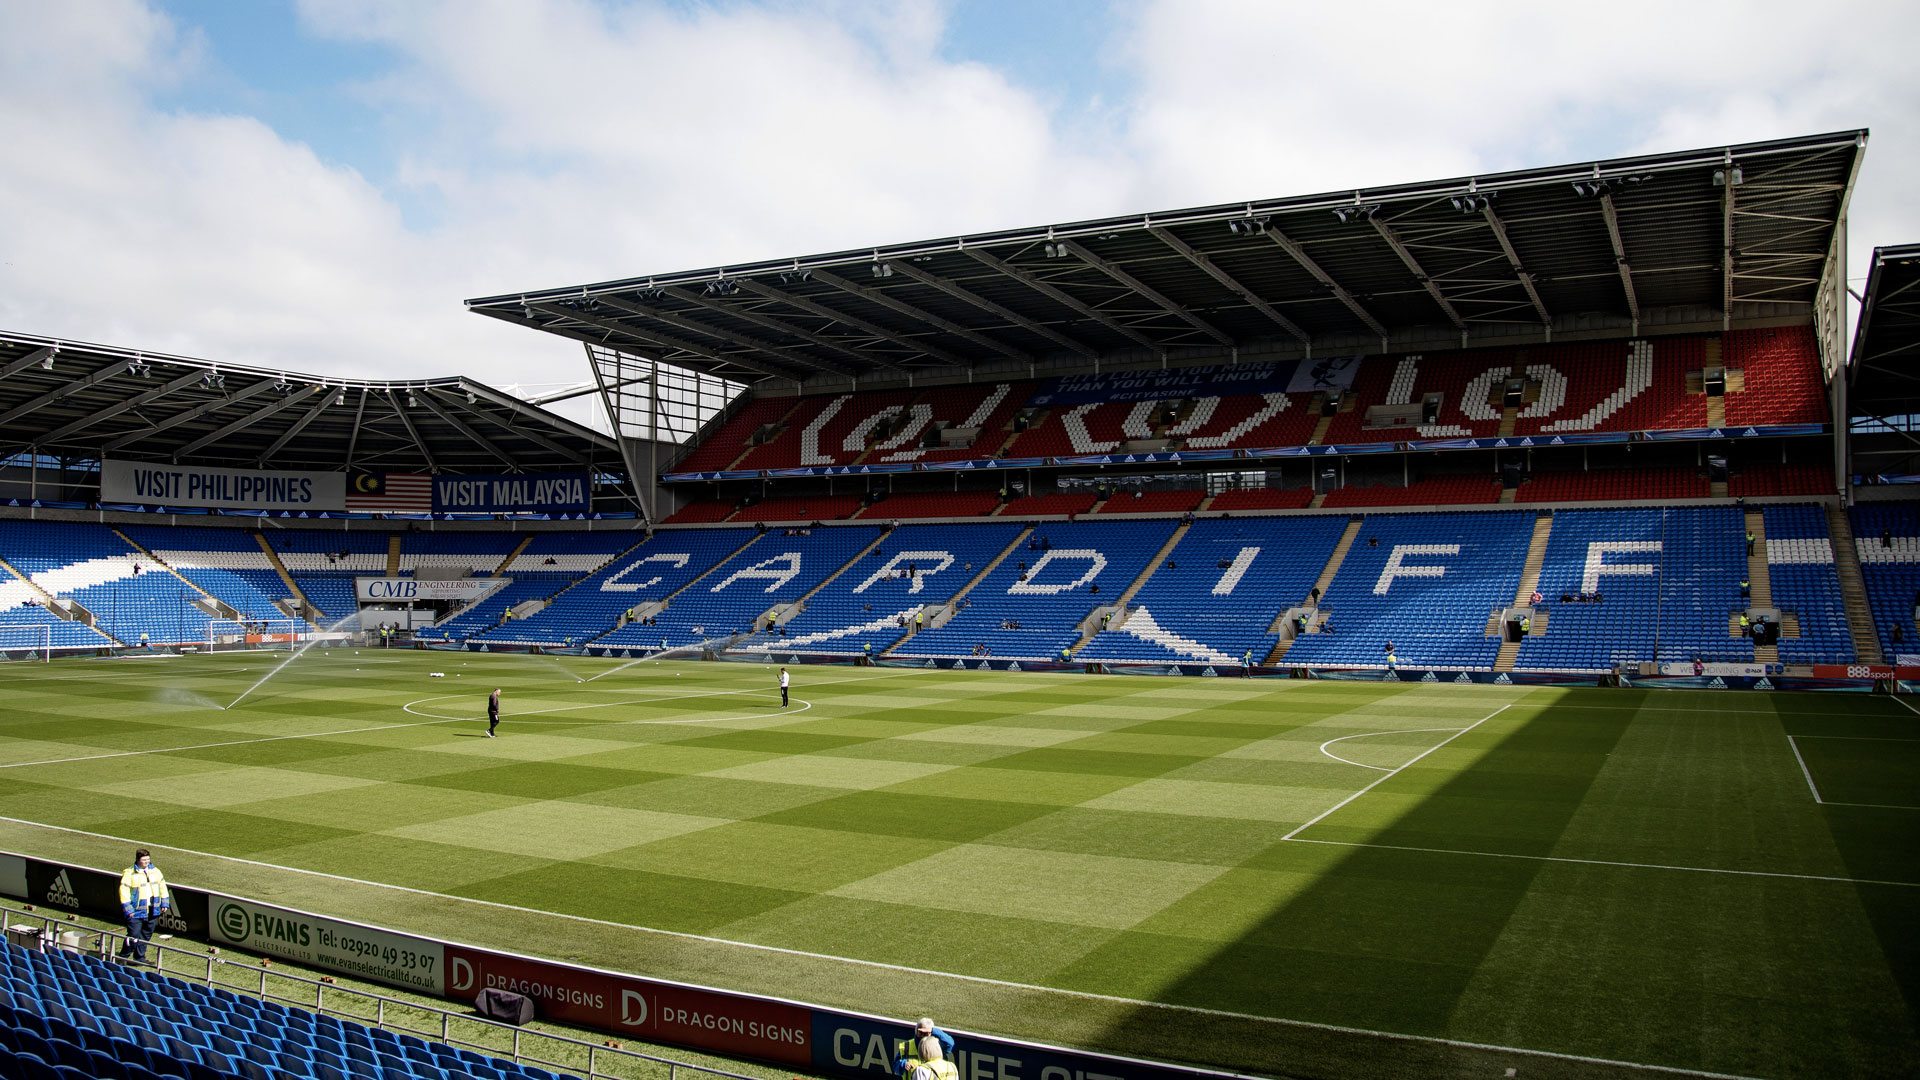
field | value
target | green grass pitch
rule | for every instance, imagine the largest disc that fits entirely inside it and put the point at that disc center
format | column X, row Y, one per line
column 1714, row 881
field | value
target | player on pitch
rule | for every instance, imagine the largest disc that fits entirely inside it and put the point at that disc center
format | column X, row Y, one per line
column 493, row 711
column 783, row 687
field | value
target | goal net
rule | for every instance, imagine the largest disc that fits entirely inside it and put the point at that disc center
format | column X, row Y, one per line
column 26, row 641
column 228, row 635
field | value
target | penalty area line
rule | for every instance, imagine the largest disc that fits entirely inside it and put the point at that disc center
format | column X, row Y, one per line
column 1277, row 1021
column 1388, row 776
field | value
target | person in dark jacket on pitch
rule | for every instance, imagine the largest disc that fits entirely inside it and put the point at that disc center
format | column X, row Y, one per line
column 493, row 711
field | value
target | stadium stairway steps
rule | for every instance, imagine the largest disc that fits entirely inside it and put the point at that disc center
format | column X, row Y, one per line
column 1205, row 505
column 940, row 617
column 70, row 612
column 1323, row 582
column 1716, row 403
column 800, row 605
column 1509, row 416
column 393, row 555
column 530, row 609
column 780, row 427
column 1319, row 435
column 220, row 608
column 501, row 570
column 1717, row 488
column 1853, row 588
column 306, row 606
column 1120, row 604
column 1523, row 596
column 1759, row 584
column 1319, row 500
column 1095, row 508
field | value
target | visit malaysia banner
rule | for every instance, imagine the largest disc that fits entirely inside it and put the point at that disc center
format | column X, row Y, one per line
column 513, row 493
column 158, row 484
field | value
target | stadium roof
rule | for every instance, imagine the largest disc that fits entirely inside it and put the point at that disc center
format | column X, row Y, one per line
column 1714, row 237
column 1885, row 373
column 71, row 400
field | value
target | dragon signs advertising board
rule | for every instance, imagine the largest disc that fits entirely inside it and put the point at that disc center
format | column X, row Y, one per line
column 643, row 1008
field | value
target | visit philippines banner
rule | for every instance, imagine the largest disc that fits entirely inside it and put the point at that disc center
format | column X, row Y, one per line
column 158, row 484
column 513, row 493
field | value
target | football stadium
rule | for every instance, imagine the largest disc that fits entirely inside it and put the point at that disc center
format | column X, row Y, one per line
column 1461, row 628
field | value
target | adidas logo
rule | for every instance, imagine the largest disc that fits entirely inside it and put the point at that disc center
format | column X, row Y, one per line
column 60, row 893
column 1429, row 677
column 172, row 923
column 929, row 663
column 1502, row 680
column 1718, row 683
column 1210, row 671
column 1462, row 677
column 484, row 648
column 984, row 666
column 959, row 665
column 1764, row 684
column 1015, row 666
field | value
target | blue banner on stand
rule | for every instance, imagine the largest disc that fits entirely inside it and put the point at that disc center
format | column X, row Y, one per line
column 513, row 493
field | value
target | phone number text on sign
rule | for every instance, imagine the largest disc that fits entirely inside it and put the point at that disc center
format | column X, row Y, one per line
column 379, row 955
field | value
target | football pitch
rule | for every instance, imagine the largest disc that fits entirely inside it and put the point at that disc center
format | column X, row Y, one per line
column 1259, row 874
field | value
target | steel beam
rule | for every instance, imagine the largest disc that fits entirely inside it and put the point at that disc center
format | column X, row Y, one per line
column 1292, row 247
column 244, row 422
column 52, row 396
column 27, row 361
column 1513, row 259
column 521, row 408
column 526, row 433
column 1608, row 211
column 662, row 339
column 426, row 398
column 1206, row 264
column 960, row 292
column 1399, row 246
column 412, row 432
column 1159, row 299
column 353, row 433
column 800, row 360
column 1052, row 292
column 298, row 426
column 119, row 407
column 194, row 413
column 923, row 316
column 764, row 320
column 813, row 307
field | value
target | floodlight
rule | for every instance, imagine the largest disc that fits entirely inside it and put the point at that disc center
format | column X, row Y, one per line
column 341, row 397
column 882, row 270
column 47, row 364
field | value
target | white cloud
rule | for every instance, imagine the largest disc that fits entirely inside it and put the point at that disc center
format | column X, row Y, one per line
column 573, row 141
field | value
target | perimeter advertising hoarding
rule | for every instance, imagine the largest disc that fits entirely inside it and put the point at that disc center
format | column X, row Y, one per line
column 382, row 956
column 157, row 484
column 94, row 893
column 863, row 1046
column 513, row 493
column 643, row 1008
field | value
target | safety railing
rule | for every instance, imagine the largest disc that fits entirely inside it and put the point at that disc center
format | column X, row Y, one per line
column 202, row 964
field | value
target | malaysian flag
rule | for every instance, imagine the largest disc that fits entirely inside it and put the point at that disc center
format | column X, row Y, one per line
column 390, row 493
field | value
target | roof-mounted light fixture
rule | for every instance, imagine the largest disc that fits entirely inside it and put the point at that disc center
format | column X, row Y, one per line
column 1728, row 178
column 1356, row 212
column 1473, row 201
column 1056, row 251
column 1248, row 226
column 882, row 270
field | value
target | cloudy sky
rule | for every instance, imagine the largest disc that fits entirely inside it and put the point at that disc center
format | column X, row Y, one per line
column 317, row 185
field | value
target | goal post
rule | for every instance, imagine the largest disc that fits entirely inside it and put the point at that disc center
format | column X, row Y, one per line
column 231, row 635
column 26, row 642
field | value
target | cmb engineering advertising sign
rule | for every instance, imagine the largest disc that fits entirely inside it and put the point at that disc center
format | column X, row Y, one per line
column 388, row 589
column 376, row 955
column 158, row 484
column 643, row 1008
column 513, row 493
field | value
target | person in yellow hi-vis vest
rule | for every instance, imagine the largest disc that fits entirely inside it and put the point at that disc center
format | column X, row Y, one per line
column 143, row 899
column 929, row 1062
